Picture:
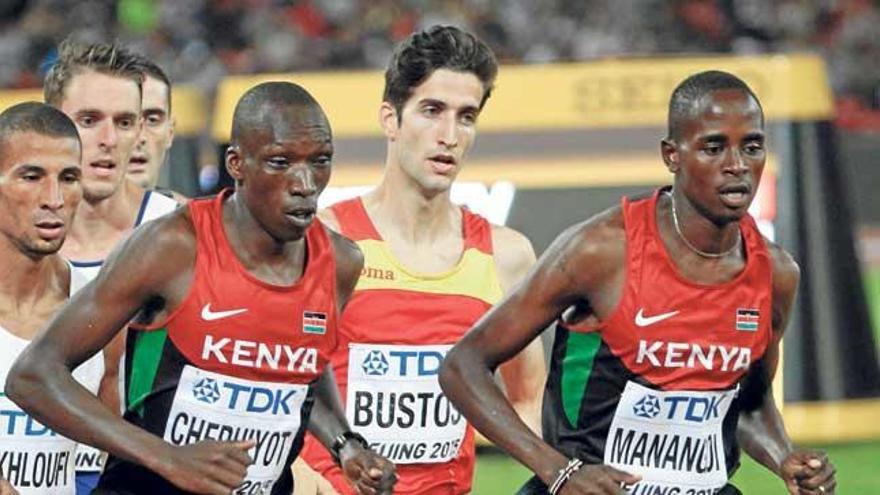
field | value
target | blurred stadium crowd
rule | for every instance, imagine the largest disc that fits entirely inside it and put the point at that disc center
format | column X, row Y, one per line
column 200, row 41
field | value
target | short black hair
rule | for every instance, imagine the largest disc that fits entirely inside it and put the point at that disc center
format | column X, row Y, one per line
column 151, row 69
column 438, row 47
column 276, row 95
column 74, row 58
column 689, row 91
column 36, row 117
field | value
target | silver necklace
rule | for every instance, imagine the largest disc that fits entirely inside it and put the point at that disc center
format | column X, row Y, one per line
column 691, row 246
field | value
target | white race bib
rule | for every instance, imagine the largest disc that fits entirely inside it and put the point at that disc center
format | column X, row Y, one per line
column 35, row 459
column 394, row 400
column 211, row 406
column 672, row 439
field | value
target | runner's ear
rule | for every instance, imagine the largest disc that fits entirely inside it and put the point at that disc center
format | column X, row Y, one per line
column 234, row 162
column 388, row 120
column 669, row 152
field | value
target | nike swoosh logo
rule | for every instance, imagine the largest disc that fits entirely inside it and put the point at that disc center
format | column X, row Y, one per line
column 643, row 321
column 209, row 315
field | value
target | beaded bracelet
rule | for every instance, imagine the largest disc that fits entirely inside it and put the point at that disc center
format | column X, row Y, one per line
column 564, row 475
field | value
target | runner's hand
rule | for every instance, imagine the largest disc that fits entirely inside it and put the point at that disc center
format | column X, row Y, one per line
column 6, row 488
column 208, row 467
column 808, row 473
column 370, row 473
column 598, row 479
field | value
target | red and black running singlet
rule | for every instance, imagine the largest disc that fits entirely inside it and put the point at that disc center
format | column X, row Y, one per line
column 233, row 362
column 394, row 334
column 652, row 390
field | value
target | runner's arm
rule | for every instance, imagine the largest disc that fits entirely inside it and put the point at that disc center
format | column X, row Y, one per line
column 157, row 257
column 327, row 419
column 576, row 261
column 760, row 430
column 524, row 375
column 364, row 468
column 108, row 391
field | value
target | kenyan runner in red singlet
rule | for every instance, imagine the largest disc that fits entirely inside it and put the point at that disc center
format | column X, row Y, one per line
column 234, row 361
column 651, row 388
column 672, row 310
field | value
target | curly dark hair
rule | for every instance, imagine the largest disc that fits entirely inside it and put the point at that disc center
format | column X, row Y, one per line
column 438, row 47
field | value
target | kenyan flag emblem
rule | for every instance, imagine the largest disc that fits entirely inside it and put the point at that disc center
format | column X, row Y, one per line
column 747, row 319
column 314, row 322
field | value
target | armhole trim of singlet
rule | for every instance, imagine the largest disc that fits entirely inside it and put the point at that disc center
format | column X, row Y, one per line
column 490, row 245
column 85, row 264
column 353, row 220
column 143, row 209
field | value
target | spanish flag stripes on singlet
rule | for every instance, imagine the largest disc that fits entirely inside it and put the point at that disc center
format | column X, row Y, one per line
column 395, row 332
column 652, row 390
column 233, row 362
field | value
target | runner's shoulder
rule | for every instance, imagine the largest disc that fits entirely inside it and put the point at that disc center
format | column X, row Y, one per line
column 175, row 225
column 349, row 258
column 602, row 236
column 590, row 253
column 786, row 271
column 170, row 233
column 513, row 251
column 156, row 253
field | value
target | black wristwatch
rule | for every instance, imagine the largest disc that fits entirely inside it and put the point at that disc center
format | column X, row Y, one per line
column 343, row 439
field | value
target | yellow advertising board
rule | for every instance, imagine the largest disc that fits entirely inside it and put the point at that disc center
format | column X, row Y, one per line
column 601, row 94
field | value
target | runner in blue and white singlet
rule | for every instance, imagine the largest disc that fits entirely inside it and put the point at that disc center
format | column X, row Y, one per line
column 33, row 458
column 40, row 190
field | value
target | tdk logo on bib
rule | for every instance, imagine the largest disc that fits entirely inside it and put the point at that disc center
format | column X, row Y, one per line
column 692, row 409
column 206, row 390
column 688, row 408
column 375, row 363
column 647, row 407
column 403, row 362
column 245, row 398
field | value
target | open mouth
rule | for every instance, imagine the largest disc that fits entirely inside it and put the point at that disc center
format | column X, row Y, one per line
column 301, row 215
column 103, row 168
column 137, row 164
column 736, row 195
column 442, row 164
